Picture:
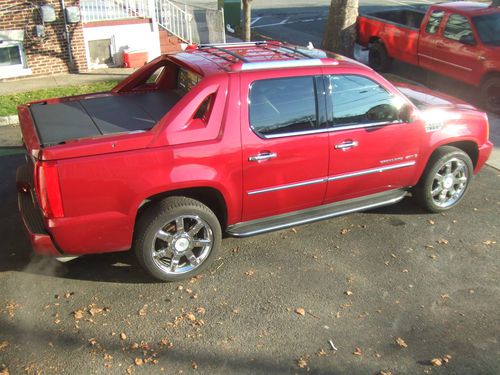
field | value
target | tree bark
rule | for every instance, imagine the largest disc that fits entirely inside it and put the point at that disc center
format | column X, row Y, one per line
column 340, row 31
column 247, row 19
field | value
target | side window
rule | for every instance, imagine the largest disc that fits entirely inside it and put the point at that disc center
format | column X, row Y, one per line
column 284, row 105
column 153, row 78
column 358, row 100
column 434, row 21
column 458, row 28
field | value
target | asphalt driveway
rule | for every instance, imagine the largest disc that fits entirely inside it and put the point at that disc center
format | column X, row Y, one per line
column 270, row 303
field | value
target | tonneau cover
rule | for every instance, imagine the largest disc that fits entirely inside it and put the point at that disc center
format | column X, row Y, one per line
column 59, row 122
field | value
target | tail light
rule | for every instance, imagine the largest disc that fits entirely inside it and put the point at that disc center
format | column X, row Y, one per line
column 48, row 189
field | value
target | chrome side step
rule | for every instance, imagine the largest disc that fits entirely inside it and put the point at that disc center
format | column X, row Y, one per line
column 269, row 224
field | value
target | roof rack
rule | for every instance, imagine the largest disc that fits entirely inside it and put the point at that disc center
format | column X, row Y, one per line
column 214, row 46
column 282, row 64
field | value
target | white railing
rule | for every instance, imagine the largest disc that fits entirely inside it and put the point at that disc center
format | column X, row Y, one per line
column 175, row 19
column 101, row 10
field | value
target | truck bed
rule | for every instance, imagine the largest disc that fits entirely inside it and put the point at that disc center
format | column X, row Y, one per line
column 58, row 122
column 401, row 17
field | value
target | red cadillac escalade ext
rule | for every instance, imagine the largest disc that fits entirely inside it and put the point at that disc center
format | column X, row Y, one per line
column 460, row 40
column 239, row 139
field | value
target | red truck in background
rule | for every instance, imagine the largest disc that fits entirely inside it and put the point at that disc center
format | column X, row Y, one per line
column 460, row 40
column 239, row 139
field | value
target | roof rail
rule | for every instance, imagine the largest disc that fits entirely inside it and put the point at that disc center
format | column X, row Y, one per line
column 236, row 44
column 246, row 66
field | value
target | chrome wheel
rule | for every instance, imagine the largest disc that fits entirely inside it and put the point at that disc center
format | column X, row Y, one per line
column 182, row 244
column 449, row 183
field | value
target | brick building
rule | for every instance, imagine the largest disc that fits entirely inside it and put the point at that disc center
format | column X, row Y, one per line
column 30, row 46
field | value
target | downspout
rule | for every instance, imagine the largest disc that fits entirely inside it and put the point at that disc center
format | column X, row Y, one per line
column 66, row 33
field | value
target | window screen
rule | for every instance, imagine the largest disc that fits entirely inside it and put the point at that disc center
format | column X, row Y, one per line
column 10, row 55
column 358, row 100
column 458, row 28
column 434, row 21
column 285, row 105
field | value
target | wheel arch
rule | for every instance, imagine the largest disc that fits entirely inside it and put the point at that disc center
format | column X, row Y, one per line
column 209, row 196
column 488, row 75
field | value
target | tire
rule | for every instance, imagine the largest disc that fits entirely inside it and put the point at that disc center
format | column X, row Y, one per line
column 378, row 58
column 490, row 94
column 177, row 238
column 445, row 180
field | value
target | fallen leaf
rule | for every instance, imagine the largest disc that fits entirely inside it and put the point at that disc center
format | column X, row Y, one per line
column 3, row 345
column 444, row 296
column 302, row 362
column 344, row 231
column 4, row 371
column 358, row 351
column 446, row 358
column 94, row 310
column 191, row 317
column 138, row 361
column 142, row 310
column 405, row 270
column 431, row 222
column 442, row 241
column 93, row 342
column 129, row 369
column 249, row 272
column 180, row 287
column 201, row 310
column 294, row 230
column 194, row 365
column 300, row 311
column 78, row 314
column 321, row 353
column 348, row 292
column 108, row 357
column 382, row 372
column 68, row 294
column 11, row 308
column 436, row 362
column 123, row 336
column 401, row 342
column 489, row 242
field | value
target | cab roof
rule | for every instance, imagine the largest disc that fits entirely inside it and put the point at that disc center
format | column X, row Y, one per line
column 470, row 8
column 235, row 57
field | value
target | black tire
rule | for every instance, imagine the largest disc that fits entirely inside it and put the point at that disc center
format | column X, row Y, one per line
column 490, row 94
column 378, row 58
column 164, row 229
column 438, row 195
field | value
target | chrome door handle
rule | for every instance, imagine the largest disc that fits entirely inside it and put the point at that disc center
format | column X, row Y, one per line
column 481, row 58
column 263, row 156
column 347, row 144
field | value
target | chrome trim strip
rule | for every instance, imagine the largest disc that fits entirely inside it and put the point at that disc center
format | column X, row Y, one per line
column 321, row 217
column 371, row 170
column 328, row 130
column 284, row 64
column 333, row 178
column 289, row 186
column 445, row 62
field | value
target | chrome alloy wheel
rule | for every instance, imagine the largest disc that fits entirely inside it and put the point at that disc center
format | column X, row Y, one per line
column 182, row 244
column 449, row 183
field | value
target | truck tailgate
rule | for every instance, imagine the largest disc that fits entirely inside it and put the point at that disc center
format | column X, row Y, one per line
column 56, row 123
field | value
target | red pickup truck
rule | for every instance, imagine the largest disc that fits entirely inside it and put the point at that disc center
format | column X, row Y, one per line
column 460, row 40
column 239, row 139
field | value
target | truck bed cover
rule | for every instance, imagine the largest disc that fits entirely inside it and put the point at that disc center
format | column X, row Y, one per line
column 59, row 122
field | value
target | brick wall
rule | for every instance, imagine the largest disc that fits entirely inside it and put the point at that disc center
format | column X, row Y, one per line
column 47, row 55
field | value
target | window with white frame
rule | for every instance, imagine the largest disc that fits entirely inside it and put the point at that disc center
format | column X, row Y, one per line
column 12, row 58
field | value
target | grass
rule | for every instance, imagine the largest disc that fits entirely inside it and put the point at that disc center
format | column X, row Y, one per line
column 8, row 103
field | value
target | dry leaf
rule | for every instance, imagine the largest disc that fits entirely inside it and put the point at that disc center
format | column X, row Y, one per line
column 123, row 336
column 446, row 358
column 194, row 365
column 302, row 362
column 142, row 310
column 489, row 242
column 401, row 342
column 300, row 311
column 201, row 310
column 3, row 345
column 129, row 369
column 68, row 294
column 357, row 351
column 139, row 361
column 382, row 372
column 431, row 222
column 249, row 273
column 442, row 241
column 4, row 371
column 78, row 314
column 108, row 357
column 93, row 342
column 191, row 317
column 444, row 296
column 321, row 353
column 344, row 231
column 436, row 362
column 94, row 310
column 348, row 292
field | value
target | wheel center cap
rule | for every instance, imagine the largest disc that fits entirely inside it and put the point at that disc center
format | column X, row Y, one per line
column 182, row 244
column 448, row 182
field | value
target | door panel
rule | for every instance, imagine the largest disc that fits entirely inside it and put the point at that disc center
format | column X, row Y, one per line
column 371, row 149
column 428, row 39
column 284, row 145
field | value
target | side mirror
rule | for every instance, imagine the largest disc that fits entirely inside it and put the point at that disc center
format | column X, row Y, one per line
column 468, row 39
column 406, row 113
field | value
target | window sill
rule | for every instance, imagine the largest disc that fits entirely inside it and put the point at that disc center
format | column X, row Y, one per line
column 14, row 73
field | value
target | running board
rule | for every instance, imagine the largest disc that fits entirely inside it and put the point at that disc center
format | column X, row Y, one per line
column 310, row 215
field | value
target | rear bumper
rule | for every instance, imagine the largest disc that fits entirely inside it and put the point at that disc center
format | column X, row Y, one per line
column 40, row 240
column 484, row 153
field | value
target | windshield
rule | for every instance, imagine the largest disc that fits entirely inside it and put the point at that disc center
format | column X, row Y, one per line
column 488, row 28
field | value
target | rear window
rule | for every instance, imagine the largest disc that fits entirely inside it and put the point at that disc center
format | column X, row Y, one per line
column 488, row 28
column 186, row 80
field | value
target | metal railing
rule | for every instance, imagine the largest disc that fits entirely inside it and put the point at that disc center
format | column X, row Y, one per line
column 102, row 10
column 175, row 19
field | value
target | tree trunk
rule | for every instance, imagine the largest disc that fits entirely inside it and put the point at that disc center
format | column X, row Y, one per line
column 340, row 31
column 247, row 19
